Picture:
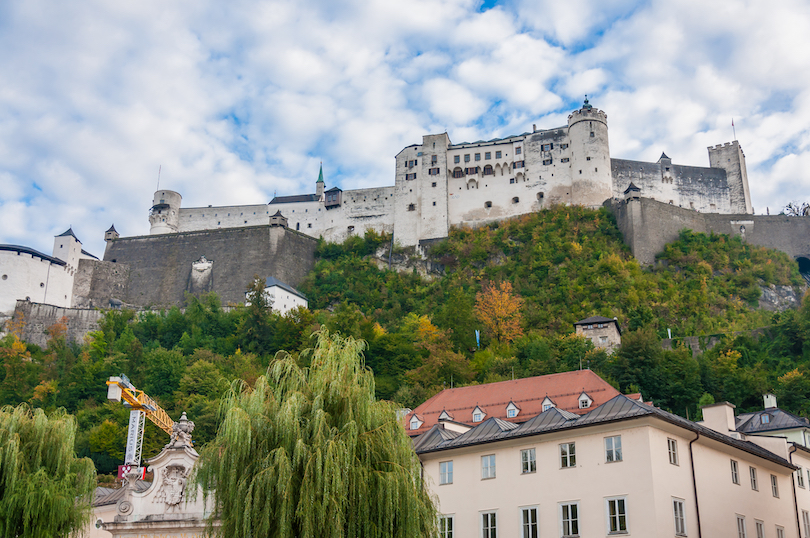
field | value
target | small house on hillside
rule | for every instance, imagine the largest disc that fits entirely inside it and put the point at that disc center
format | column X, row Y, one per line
column 603, row 332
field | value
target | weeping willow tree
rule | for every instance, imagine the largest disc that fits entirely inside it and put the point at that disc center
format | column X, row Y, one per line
column 309, row 452
column 45, row 491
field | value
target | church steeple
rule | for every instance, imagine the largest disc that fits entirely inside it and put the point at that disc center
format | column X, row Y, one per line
column 319, row 185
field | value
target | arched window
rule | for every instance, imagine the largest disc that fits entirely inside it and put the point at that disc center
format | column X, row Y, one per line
column 540, row 195
column 488, row 170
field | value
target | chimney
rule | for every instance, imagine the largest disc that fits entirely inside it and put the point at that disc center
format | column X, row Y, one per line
column 719, row 417
column 770, row 401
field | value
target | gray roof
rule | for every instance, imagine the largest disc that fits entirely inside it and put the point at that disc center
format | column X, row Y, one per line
column 69, row 233
column 294, row 199
column 107, row 496
column 751, row 423
column 35, row 253
column 619, row 408
column 272, row 281
column 88, row 254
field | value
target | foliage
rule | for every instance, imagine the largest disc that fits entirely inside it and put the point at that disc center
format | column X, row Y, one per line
column 45, row 490
column 499, row 310
column 310, row 452
column 797, row 209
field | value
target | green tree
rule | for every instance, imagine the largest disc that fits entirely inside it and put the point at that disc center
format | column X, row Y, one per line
column 310, row 452
column 45, row 490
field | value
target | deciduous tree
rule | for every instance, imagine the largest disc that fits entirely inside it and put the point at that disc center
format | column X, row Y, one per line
column 499, row 309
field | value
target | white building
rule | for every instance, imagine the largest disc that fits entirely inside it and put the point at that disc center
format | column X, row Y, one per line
column 283, row 297
column 622, row 468
column 438, row 184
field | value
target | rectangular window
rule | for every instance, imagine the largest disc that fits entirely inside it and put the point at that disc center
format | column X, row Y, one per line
column 569, row 519
column 517, row 164
column 617, row 515
column 754, row 484
column 528, row 464
column 780, row 532
column 613, row 448
column 548, row 147
column 487, row 155
column 740, row 526
column 434, row 159
column 546, row 162
column 760, row 527
column 563, row 146
column 446, row 524
column 456, row 159
column 458, row 172
column 477, row 156
column 467, row 158
column 410, row 176
column 511, row 180
column 489, row 527
column 433, row 171
column 672, row 449
column 564, row 160
column 528, row 518
column 806, row 522
column 497, row 154
column 680, row 517
column 517, row 151
column 511, row 413
column 735, row 475
column 488, row 466
column 568, row 455
column 800, row 477
column 446, row 472
column 774, row 486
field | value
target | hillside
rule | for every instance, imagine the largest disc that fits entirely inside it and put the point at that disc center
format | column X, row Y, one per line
column 521, row 283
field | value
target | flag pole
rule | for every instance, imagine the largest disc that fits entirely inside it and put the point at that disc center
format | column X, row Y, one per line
column 733, row 129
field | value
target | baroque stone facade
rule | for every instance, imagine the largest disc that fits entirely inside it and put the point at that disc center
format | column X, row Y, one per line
column 438, row 184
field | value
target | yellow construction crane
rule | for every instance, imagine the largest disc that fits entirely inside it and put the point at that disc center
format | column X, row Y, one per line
column 143, row 407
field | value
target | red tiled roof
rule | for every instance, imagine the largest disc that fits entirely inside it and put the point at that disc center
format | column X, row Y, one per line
column 528, row 394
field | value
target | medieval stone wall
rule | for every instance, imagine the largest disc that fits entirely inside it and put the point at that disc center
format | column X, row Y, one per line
column 38, row 317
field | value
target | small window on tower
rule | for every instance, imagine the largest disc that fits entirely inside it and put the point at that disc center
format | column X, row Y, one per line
column 487, row 204
column 411, row 207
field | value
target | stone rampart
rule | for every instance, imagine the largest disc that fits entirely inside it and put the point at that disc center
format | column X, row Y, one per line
column 38, row 317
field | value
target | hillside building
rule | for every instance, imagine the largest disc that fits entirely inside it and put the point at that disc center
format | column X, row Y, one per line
column 603, row 332
column 438, row 184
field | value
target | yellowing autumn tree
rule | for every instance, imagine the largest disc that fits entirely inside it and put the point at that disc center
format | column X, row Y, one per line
column 499, row 309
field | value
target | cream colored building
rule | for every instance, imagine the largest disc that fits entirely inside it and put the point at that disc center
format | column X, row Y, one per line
column 624, row 468
column 603, row 332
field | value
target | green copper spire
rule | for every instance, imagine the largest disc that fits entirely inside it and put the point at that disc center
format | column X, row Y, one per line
column 320, row 175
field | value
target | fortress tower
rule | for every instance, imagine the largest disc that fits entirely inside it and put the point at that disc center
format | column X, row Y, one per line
column 164, row 216
column 591, row 178
column 730, row 157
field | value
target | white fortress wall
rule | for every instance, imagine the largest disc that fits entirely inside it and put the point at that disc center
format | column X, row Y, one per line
column 360, row 210
column 213, row 217
column 29, row 276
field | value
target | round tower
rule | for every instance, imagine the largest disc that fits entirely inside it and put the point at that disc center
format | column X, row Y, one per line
column 164, row 216
column 592, row 181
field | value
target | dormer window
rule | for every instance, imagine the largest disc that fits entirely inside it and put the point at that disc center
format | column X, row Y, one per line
column 547, row 404
column 546, row 407
column 765, row 418
column 512, row 410
column 415, row 423
column 478, row 414
column 585, row 401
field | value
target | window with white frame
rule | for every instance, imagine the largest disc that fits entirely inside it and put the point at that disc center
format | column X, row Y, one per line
column 740, row 526
column 617, row 515
column 735, row 473
column 800, row 477
column 760, row 528
column 569, row 519
column 446, row 525
column 613, row 448
column 446, row 472
column 678, row 513
column 478, row 414
column 806, row 522
column 528, row 518
column 774, row 486
column 511, row 413
column 780, row 532
column 489, row 525
column 488, row 466
column 568, row 455
column 415, row 423
column 672, row 449
column 753, row 472
column 528, row 463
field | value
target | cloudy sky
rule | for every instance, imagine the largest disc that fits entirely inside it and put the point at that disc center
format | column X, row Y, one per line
column 235, row 101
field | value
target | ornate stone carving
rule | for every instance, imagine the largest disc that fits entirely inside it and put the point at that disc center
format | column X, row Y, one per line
column 172, row 487
column 181, row 433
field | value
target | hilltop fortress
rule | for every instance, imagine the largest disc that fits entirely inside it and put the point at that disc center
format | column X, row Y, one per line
column 439, row 184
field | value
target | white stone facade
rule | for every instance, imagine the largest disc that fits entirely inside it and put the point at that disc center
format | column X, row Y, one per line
column 438, row 184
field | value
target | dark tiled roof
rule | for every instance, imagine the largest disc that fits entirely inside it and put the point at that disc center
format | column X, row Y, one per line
column 619, row 408
column 88, row 254
column 69, row 233
column 334, row 189
column 272, row 281
column 107, row 496
column 778, row 420
column 32, row 252
column 112, row 229
column 595, row 319
column 528, row 393
column 294, row 199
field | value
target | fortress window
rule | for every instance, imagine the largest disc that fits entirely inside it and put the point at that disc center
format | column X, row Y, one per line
column 433, row 184
column 517, row 151
column 456, row 159
column 411, row 207
column 477, row 156
column 515, row 200
column 434, row 203
column 563, row 146
column 548, row 147
column 472, row 170
column 487, row 204
column 434, row 159
column 488, row 171
column 351, row 228
column 218, row 223
column 564, row 160
column 497, row 154
column 41, row 284
column 433, row 171
column 458, row 172
column 546, row 161
column 511, row 180
column 540, row 195
column 517, row 164
column 487, row 155
column 587, row 158
column 309, row 225
column 591, row 134
column 297, row 225
column 410, row 176
column 467, row 158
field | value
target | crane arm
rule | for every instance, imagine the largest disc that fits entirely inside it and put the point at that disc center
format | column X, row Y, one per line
column 119, row 388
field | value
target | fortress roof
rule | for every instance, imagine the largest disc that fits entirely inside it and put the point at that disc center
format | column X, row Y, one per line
column 34, row 253
column 272, row 281
column 69, row 232
column 294, row 199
